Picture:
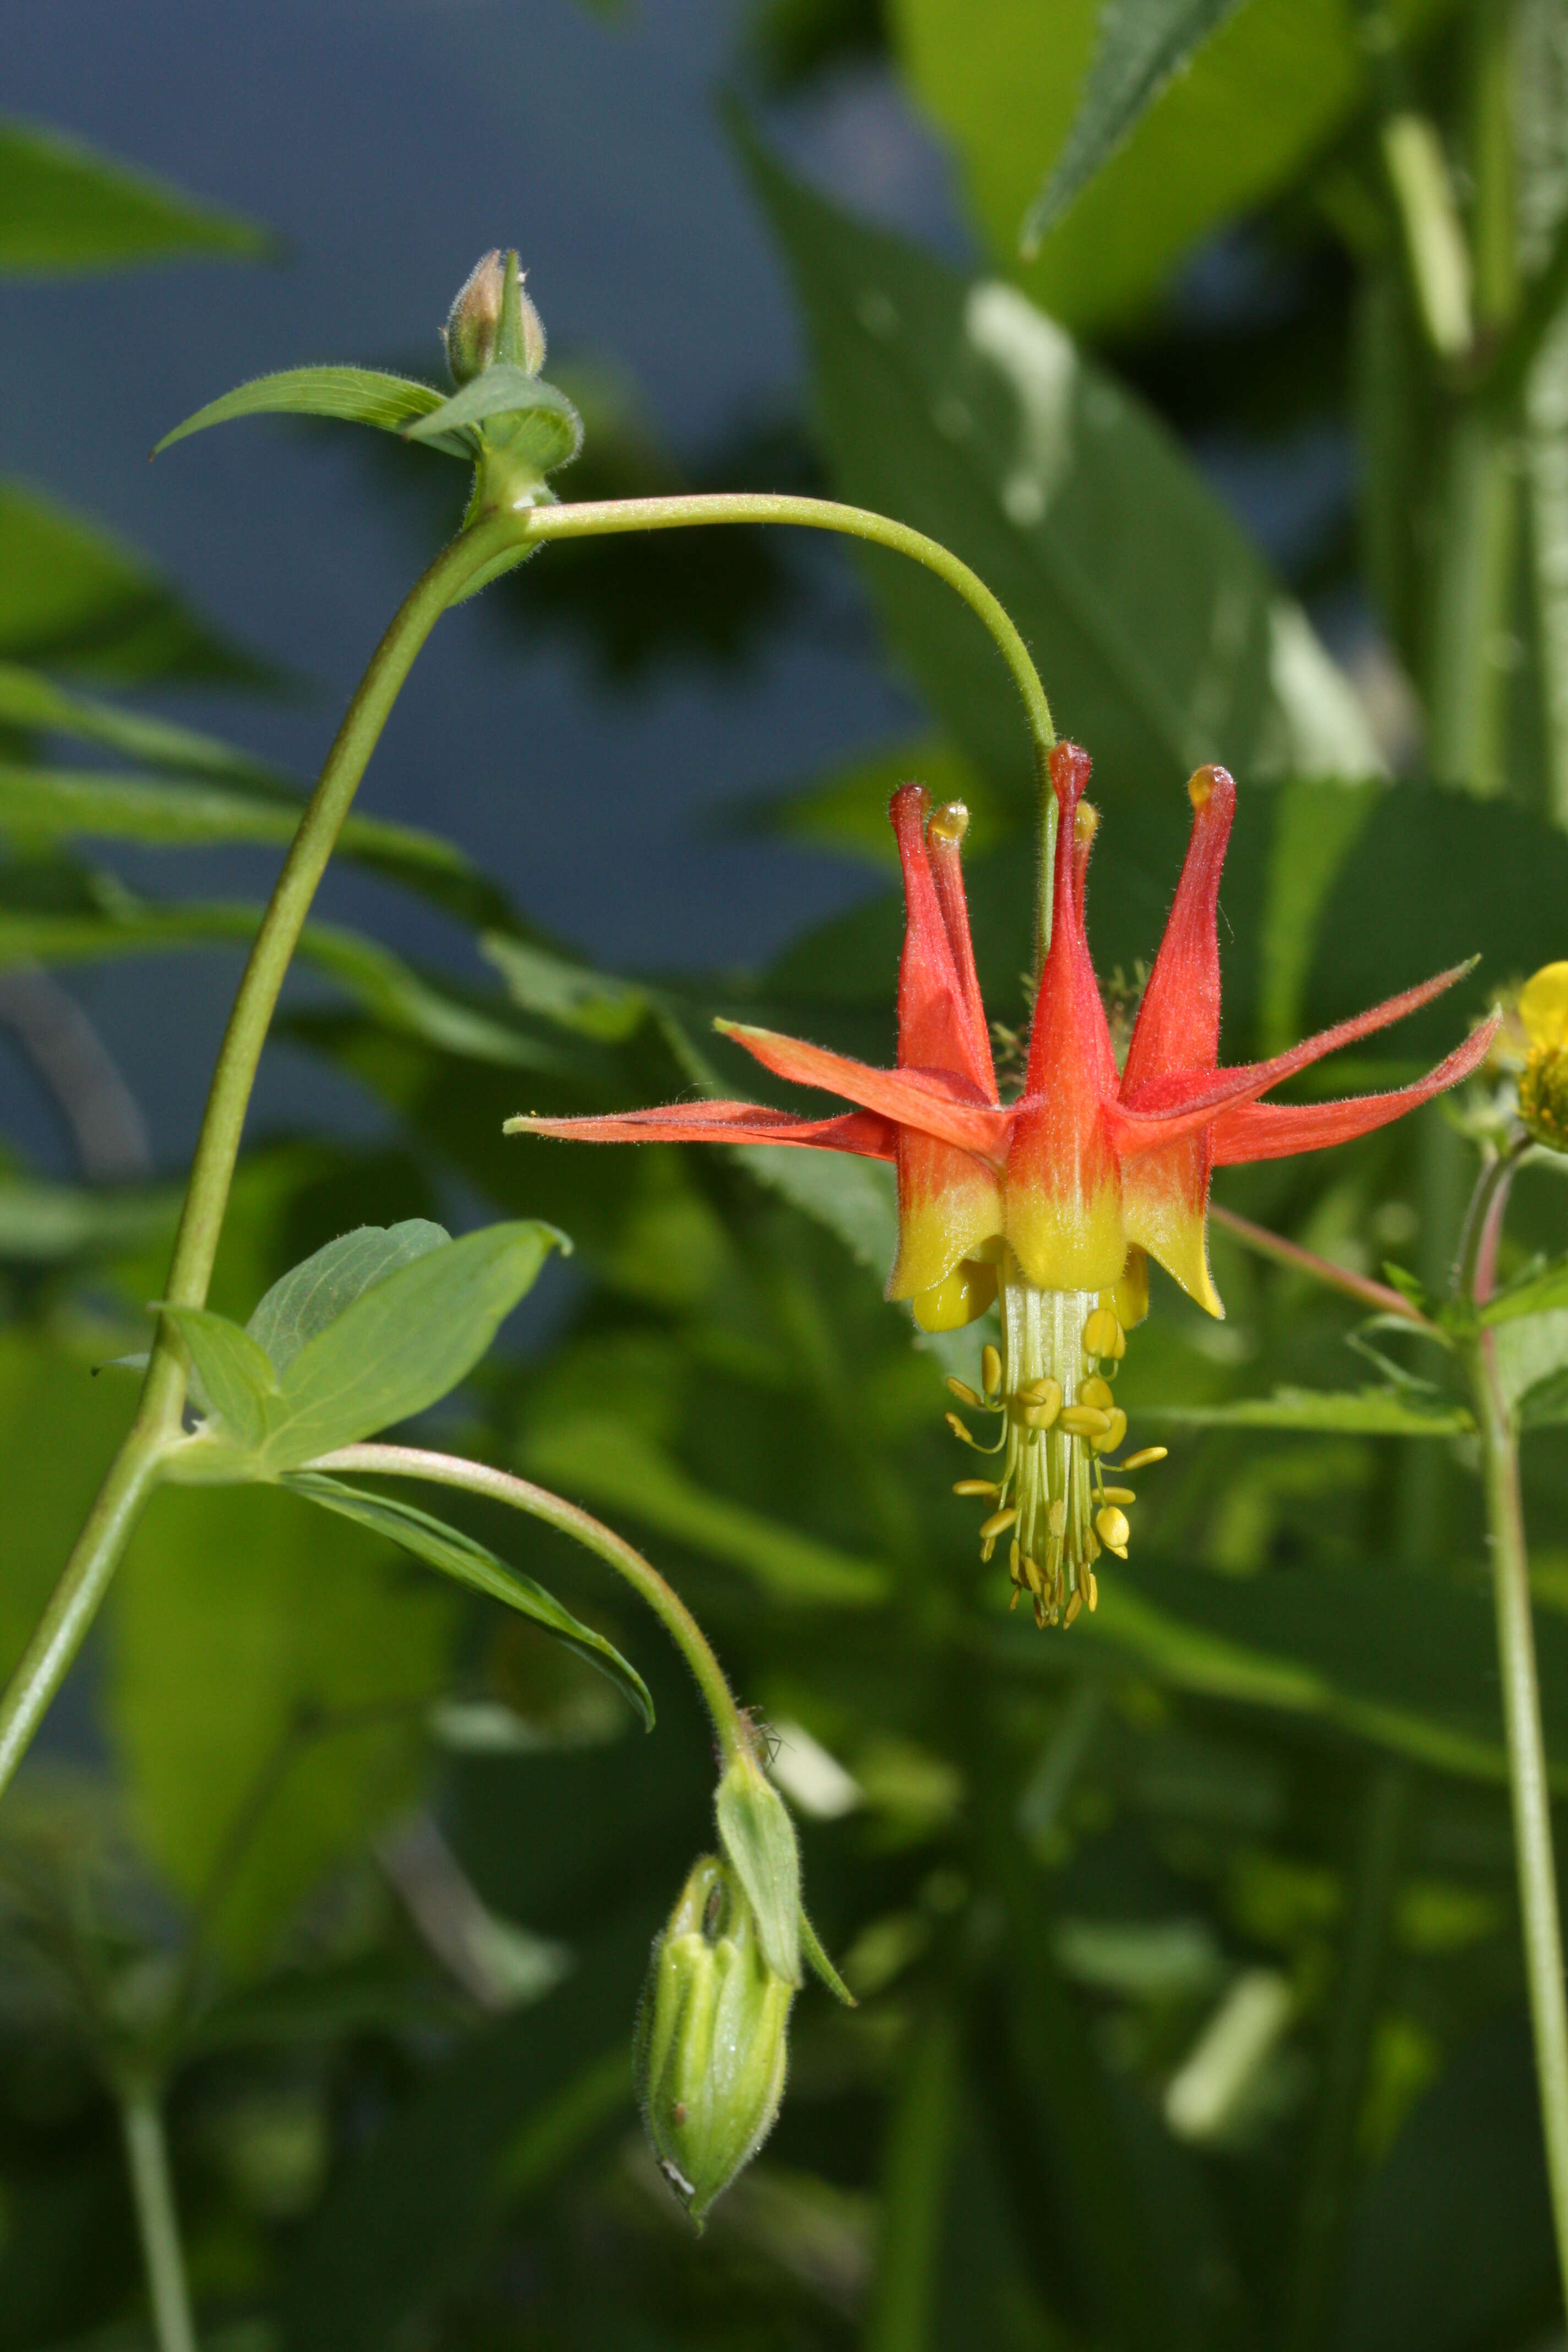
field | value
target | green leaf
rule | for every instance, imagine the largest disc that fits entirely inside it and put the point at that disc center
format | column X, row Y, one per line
column 458, row 1554
column 617, row 1467
column 847, row 810
column 1140, row 44
column 58, row 1431
column 594, row 1003
column 236, row 1379
column 1531, row 1359
column 354, row 395
column 267, row 1678
column 1262, row 98
column 1403, row 1656
column 312, row 1295
column 72, row 595
column 855, row 1199
column 1356, row 1412
column 547, row 431
column 64, row 208
column 41, row 1223
column 1537, row 1292
column 405, row 1343
column 758, row 1835
column 964, row 410
column 37, row 703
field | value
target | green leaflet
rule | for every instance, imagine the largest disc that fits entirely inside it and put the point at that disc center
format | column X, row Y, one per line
column 1533, row 1296
column 1141, row 44
column 354, row 395
column 64, row 208
column 313, row 1294
column 1361, row 1412
column 460, row 1556
column 30, row 701
column 397, row 1348
column 546, row 430
column 758, row 1835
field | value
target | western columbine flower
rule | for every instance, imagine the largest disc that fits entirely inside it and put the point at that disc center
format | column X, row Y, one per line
column 1049, row 1203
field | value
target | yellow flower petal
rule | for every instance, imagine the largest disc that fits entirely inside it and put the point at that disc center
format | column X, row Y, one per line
column 1543, row 1006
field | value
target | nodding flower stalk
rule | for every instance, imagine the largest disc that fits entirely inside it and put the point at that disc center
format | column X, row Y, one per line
column 1049, row 1205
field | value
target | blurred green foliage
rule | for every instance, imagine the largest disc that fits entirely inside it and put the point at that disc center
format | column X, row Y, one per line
column 1191, row 2002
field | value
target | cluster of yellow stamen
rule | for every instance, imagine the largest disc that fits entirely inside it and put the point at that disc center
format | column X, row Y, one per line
column 1050, row 1386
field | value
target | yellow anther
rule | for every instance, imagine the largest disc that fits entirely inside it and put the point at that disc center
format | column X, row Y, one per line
column 997, row 1524
column 1142, row 1460
column 960, row 1297
column 977, row 1487
column 1043, row 1392
column 1014, row 1602
column 962, row 1392
column 990, row 1370
column 1110, row 1525
column 959, row 1429
column 1039, row 1416
column 1056, row 1520
column 1127, row 1298
column 1094, row 1582
column 1085, row 824
column 1200, row 787
column 1074, row 1605
column 1114, row 1434
column 1118, row 1494
column 1096, row 1391
column 1083, row 1421
column 1015, row 1561
column 1103, row 1335
column 1037, row 1580
column 948, row 823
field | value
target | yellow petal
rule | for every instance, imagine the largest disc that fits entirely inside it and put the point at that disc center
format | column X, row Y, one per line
column 1543, row 1006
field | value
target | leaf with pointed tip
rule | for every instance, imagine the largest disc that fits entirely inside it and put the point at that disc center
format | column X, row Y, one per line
column 354, row 395
column 595, row 1004
column 1352, row 1412
column 312, row 1295
column 1547, row 1288
column 64, row 208
column 549, row 431
column 758, row 1837
column 1141, row 44
column 458, row 1554
column 29, row 701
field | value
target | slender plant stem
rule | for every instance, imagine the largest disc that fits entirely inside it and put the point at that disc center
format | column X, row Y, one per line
column 593, row 518
column 1376, row 1295
column 730, row 1725
column 1528, row 1782
column 495, row 532
column 914, row 2187
column 157, row 2222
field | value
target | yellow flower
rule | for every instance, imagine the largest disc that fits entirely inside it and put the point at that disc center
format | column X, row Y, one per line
column 1543, row 1082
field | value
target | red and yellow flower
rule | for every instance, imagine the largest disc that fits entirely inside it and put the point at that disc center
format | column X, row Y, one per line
column 1051, row 1202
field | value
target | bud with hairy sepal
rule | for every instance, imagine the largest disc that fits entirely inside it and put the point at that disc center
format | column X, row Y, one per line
column 492, row 319
column 759, row 1842
column 711, row 2051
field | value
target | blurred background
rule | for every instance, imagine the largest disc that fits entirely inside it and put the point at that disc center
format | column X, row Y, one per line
column 1191, row 2003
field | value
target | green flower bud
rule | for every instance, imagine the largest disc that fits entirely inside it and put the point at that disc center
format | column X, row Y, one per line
column 710, row 2047
column 492, row 319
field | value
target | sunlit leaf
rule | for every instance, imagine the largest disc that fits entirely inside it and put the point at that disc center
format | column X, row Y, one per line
column 63, row 206
column 352, row 395
column 1533, row 1296
column 962, row 409
column 234, row 1376
column 1139, row 46
column 460, row 1556
column 542, row 428
column 312, row 1295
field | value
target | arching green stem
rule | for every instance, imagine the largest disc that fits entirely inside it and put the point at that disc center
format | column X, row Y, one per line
column 731, row 1728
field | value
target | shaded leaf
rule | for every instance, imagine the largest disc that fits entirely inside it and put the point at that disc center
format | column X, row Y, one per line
column 458, row 1554
column 71, row 594
column 234, row 1376
column 1531, row 1359
column 37, row 703
column 63, row 207
column 1141, row 43
column 1533, row 1296
column 313, row 1294
column 1361, row 1412
column 42, row 1222
column 757, row 1836
column 618, row 1467
column 595, row 1004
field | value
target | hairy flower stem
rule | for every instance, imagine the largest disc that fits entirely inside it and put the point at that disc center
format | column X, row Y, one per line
column 157, row 2222
column 730, row 1727
column 496, row 530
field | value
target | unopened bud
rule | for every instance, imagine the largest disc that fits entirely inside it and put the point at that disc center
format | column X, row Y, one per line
column 711, row 2048
column 491, row 312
